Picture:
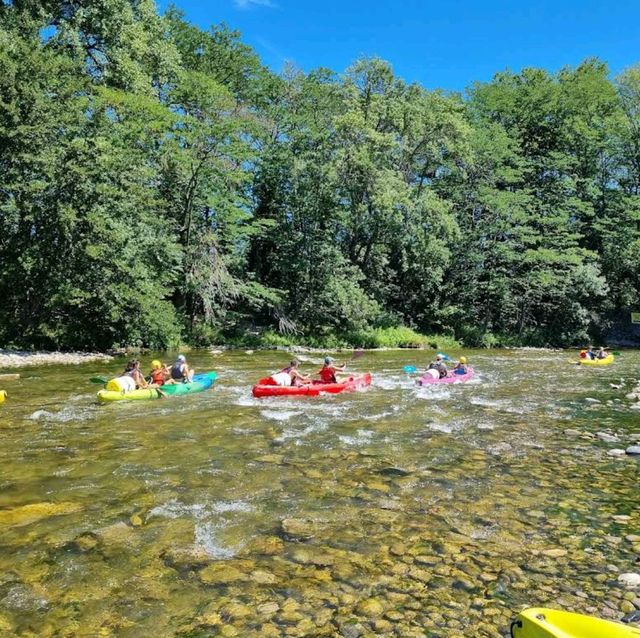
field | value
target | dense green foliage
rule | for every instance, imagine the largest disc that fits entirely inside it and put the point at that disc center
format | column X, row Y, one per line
column 158, row 183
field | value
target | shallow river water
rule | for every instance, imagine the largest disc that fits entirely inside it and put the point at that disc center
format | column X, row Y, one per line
column 395, row 511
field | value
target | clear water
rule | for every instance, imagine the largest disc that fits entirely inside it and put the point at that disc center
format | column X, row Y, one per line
column 407, row 511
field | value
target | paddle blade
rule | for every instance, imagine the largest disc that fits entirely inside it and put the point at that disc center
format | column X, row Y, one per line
column 410, row 369
column 444, row 356
column 101, row 380
column 615, row 353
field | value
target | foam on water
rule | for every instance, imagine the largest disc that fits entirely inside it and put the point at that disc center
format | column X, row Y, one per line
column 362, row 438
column 277, row 415
column 205, row 538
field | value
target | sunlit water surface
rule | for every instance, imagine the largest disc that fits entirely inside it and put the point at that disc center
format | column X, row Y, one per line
column 395, row 511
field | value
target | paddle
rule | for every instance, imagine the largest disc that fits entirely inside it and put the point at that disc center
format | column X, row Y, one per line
column 99, row 379
column 410, row 369
column 444, row 356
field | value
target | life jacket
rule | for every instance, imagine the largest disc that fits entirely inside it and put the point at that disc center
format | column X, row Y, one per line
column 328, row 375
column 177, row 371
column 157, row 376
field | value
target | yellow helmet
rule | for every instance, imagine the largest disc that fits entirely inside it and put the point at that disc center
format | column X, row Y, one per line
column 463, row 359
column 155, row 364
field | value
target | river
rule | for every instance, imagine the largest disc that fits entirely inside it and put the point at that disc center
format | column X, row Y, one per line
column 394, row 511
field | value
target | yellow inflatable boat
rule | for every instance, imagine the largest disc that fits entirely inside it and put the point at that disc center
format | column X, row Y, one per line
column 539, row 622
column 607, row 361
column 3, row 396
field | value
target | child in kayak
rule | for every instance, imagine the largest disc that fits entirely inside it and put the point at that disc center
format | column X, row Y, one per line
column 180, row 370
column 290, row 375
column 602, row 353
column 160, row 374
column 439, row 366
column 328, row 371
column 590, row 354
column 461, row 366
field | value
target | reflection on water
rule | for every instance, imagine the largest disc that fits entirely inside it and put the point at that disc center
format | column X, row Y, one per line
column 397, row 511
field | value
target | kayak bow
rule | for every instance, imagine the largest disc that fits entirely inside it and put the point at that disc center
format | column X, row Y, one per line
column 427, row 379
column 607, row 361
column 538, row 622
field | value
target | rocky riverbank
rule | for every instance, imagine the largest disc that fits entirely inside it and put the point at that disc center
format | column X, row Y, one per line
column 24, row 358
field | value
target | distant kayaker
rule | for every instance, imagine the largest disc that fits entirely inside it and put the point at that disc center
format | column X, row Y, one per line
column 461, row 366
column 180, row 370
column 290, row 375
column 328, row 371
column 440, row 366
column 602, row 353
column 133, row 370
column 590, row 354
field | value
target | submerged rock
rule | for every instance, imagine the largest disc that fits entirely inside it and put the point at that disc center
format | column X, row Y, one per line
column 25, row 514
column 629, row 580
column 298, row 529
column 633, row 450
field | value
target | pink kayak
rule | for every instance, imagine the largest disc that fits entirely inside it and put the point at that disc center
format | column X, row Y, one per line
column 428, row 379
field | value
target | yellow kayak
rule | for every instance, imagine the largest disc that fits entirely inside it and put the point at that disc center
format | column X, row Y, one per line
column 539, row 622
column 3, row 396
column 607, row 361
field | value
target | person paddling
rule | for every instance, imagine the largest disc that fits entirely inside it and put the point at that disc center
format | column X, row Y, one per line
column 328, row 371
column 133, row 370
column 590, row 353
column 180, row 370
column 290, row 375
column 439, row 366
column 602, row 353
column 160, row 374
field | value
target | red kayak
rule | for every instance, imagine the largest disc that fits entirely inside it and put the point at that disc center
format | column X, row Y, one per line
column 267, row 388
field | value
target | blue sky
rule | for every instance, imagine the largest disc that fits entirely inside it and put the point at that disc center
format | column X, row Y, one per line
column 441, row 44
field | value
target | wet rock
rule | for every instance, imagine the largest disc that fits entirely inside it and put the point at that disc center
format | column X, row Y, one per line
column 633, row 538
column 370, row 607
column 591, row 400
column 572, row 432
column 263, row 578
column 307, row 557
column 221, row 574
column 626, row 607
column 86, row 542
column 21, row 597
column 298, row 529
column 276, row 459
column 633, row 450
column 621, row 519
column 136, row 520
column 629, row 580
column 632, row 617
column 266, row 545
column 269, row 630
column 616, row 452
column 268, row 609
column 25, row 514
column 352, row 630
column 185, row 557
column 607, row 437
column 396, row 471
column 236, row 610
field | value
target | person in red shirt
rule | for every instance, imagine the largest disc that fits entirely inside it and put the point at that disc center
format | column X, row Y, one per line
column 328, row 371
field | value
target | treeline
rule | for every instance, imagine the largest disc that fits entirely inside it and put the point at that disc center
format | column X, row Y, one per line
column 159, row 184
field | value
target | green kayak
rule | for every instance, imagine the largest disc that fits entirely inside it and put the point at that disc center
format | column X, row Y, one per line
column 200, row 383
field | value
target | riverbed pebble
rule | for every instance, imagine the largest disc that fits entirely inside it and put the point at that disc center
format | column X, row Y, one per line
column 630, row 580
column 616, row 452
column 633, row 450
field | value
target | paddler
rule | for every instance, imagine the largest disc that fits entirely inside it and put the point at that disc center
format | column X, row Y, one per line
column 290, row 375
column 461, row 366
column 133, row 371
column 160, row 374
column 328, row 371
column 439, row 366
column 602, row 353
column 180, row 370
column 590, row 353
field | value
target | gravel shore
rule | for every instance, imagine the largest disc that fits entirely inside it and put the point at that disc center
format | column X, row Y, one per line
column 23, row 358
